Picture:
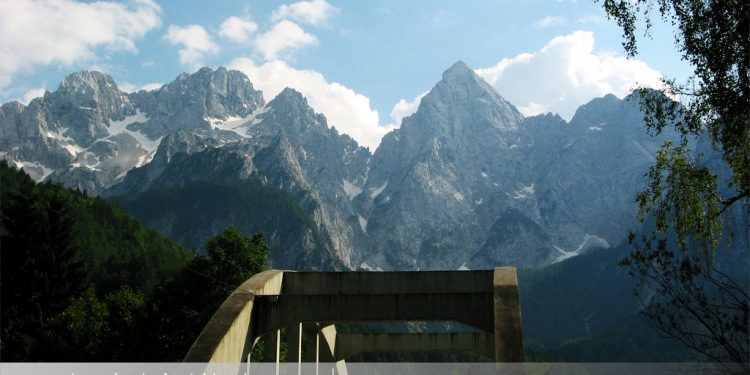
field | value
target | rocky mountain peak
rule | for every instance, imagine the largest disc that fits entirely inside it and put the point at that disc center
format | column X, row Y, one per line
column 80, row 81
column 289, row 99
column 462, row 101
column 91, row 91
column 195, row 101
column 289, row 112
column 458, row 71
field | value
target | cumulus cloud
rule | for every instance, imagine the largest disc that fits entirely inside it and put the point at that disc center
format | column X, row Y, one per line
column 284, row 36
column 314, row 12
column 237, row 29
column 195, row 42
column 591, row 19
column 130, row 87
column 565, row 74
column 32, row 94
column 347, row 110
column 550, row 21
column 405, row 108
column 66, row 32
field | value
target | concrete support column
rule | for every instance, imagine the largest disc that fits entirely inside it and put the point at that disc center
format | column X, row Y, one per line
column 278, row 350
column 299, row 350
column 507, row 316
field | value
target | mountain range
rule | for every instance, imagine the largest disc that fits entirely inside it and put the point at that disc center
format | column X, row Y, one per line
column 466, row 182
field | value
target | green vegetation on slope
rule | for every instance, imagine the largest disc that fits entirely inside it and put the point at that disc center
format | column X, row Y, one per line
column 583, row 309
column 72, row 268
column 82, row 280
column 199, row 210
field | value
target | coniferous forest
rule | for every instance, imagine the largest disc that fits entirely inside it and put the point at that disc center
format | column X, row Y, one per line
column 82, row 280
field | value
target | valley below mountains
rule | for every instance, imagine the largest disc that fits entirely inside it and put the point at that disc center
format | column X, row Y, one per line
column 465, row 182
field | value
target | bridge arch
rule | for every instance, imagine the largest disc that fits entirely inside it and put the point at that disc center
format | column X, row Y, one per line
column 487, row 300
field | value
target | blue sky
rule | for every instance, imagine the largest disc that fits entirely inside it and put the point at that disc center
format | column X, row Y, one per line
column 363, row 64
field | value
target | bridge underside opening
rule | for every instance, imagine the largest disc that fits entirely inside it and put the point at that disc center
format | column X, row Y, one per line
column 310, row 304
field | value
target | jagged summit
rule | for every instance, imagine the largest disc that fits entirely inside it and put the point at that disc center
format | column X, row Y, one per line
column 86, row 100
column 460, row 74
column 465, row 97
column 86, row 79
column 289, row 97
column 222, row 80
column 458, row 70
column 92, row 90
column 290, row 113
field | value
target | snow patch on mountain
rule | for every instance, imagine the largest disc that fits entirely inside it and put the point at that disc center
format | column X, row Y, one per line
column 375, row 192
column 524, row 192
column 362, row 223
column 36, row 171
column 589, row 241
column 367, row 267
column 120, row 127
column 236, row 124
column 148, row 145
column 350, row 189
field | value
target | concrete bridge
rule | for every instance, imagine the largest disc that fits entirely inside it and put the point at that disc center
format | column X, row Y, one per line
column 312, row 303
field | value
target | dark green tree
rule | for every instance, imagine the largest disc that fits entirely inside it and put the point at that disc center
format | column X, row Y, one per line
column 78, row 333
column 692, row 196
column 182, row 306
column 41, row 265
column 75, row 272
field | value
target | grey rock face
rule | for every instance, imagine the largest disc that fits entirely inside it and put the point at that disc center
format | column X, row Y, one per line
column 191, row 101
column 89, row 134
column 432, row 180
column 286, row 145
column 466, row 181
column 85, row 103
column 176, row 145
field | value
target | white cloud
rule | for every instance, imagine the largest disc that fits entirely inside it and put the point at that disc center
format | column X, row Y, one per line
column 347, row 110
column 550, row 21
column 405, row 108
column 565, row 74
column 284, row 36
column 195, row 41
column 66, row 32
column 591, row 19
column 314, row 12
column 130, row 87
column 237, row 29
column 32, row 94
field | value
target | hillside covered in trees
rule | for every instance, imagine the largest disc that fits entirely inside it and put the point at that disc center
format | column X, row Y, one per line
column 82, row 280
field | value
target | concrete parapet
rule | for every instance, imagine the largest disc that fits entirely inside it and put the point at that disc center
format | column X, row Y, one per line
column 487, row 300
column 225, row 338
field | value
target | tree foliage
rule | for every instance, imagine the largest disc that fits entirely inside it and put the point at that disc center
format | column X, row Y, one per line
column 76, row 271
column 82, row 280
column 183, row 305
column 694, row 195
